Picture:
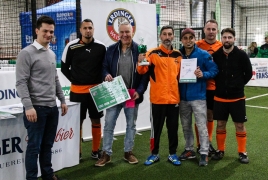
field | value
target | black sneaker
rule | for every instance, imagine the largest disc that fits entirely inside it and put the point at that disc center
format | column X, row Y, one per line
column 211, row 150
column 187, row 154
column 218, row 155
column 243, row 158
column 96, row 154
column 203, row 160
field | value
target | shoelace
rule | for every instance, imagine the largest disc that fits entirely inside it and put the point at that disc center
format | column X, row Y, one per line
column 173, row 158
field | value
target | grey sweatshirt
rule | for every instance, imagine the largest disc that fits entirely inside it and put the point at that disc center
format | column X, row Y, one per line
column 37, row 81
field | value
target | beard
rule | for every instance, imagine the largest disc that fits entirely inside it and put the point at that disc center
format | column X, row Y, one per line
column 167, row 42
column 227, row 45
column 87, row 37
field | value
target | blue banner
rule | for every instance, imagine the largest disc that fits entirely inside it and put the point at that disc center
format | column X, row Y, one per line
column 64, row 15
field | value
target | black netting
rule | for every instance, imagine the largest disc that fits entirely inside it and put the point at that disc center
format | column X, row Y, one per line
column 248, row 17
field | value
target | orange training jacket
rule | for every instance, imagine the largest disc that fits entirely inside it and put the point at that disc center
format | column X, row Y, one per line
column 164, row 72
column 210, row 48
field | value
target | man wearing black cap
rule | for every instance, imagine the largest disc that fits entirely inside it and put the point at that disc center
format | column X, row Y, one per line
column 193, row 97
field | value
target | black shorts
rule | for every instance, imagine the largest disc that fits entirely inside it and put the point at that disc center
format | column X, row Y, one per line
column 236, row 109
column 89, row 105
column 210, row 99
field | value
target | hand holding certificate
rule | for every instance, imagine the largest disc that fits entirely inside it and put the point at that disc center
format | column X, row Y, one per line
column 187, row 73
column 108, row 94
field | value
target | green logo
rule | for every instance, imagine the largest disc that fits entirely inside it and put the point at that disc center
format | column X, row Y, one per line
column 66, row 90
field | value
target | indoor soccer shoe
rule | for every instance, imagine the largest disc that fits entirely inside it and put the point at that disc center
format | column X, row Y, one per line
column 211, row 150
column 151, row 159
column 187, row 154
column 174, row 159
column 96, row 154
column 243, row 158
column 203, row 160
column 218, row 155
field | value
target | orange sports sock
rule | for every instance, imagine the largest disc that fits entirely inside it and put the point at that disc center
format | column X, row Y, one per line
column 241, row 138
column 96, row 136
column 196, row 135
column 210, row 126
column 221, row 136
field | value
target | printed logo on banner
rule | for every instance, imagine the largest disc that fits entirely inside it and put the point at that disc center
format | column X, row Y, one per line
column 116, row 17
column 8, row 94
column 8, row 146
column 261, row 71
column 66, row 90
column 64, row 134
column 65, row 16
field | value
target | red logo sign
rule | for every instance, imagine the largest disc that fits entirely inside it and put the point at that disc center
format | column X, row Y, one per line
column 116, row 17
column 62, row 135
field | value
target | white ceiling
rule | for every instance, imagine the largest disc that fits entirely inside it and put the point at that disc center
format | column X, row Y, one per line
column 252, row 3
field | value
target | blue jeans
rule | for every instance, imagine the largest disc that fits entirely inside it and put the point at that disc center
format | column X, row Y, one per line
column 41, row 135
column 110, row 122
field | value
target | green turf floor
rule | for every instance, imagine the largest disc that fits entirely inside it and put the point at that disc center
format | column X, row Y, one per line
column 228, row 168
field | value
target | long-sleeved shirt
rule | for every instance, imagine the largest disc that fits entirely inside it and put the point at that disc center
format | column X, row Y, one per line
column 37, row 81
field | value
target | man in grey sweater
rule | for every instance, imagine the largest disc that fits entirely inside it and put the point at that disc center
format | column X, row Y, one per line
column 38, row 85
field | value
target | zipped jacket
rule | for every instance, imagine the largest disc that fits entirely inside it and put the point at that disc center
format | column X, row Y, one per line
column 197, row 91
column 81, row 64
column 235, row 71
column 110, row 66
column 164, row 71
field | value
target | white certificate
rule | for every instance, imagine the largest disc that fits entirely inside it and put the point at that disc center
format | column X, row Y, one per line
column 108, row 94
column 188, row 66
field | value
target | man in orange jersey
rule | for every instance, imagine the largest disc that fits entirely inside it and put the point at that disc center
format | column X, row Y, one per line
column 235, row 71
column 211, row 45
column 82, row 64
column 164, row 69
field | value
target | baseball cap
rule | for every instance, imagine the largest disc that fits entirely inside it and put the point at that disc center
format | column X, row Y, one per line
column 187, row 31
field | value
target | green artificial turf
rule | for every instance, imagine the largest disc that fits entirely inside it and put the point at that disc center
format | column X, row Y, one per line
column 229, row 168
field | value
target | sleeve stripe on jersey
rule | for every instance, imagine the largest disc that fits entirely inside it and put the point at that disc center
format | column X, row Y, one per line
column 64, row 54
column 99, row 42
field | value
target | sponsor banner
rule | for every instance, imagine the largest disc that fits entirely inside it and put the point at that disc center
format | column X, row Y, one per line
column 113, row 13
column 9, row 94
column 7, row 97
column 64, row 15
column 13, row 143
column 259, row 72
